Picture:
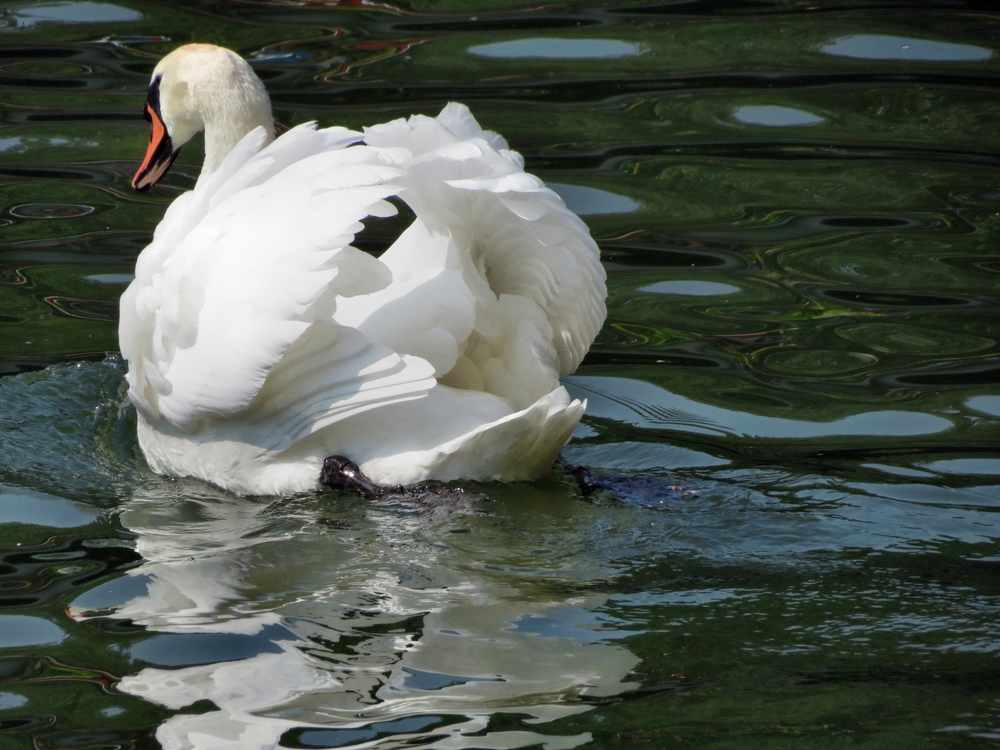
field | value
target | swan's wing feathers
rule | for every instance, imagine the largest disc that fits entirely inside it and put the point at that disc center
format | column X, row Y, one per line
column 518, row 232
column 423, row 135
column 428, row 311
column 253, row 276
column 289, row 151
column 329, row 374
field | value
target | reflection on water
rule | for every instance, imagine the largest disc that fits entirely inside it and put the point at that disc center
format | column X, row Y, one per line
column 691, row 288
column 795, row 399
column 18, row 631
column 122, row 279
column 981, row 466
column 558, row 49
column 24, row 15
column 380, row 631
column 26, row 507
column 774, row 116
column 49, row 211
column 648, row 406
column 880, row 47
column 588, row 201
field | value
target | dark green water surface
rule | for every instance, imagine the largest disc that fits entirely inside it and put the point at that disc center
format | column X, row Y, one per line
column 798, row 205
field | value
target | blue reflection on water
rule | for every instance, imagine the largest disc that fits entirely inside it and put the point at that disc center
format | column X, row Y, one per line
column 976, row 466
column 775, row 117
column 690, row 288
column 188, row 649
column 70, row 12
column 17, row 631
column 111, row 278
column 558, row 49
column 649, row 406
column 12, row 700
column 985, row 404
column 422, row 680
column 113, row 593
column 277, row 56
column 569, row 622
column 879, row 47
column 327, row 738
column 588, row 201
column 36, row 509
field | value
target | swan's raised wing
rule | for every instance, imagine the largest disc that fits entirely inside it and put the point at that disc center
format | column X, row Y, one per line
column 505, row 244
column 256, row 257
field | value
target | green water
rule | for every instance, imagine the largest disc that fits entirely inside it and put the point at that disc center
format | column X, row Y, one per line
column 798, row 205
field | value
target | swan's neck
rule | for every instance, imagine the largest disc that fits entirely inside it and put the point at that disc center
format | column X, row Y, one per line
column 234, row 111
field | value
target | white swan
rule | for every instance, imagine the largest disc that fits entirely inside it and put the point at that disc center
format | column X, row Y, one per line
column 259, row 341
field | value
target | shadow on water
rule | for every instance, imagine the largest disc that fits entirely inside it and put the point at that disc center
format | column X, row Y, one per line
column 796, row 393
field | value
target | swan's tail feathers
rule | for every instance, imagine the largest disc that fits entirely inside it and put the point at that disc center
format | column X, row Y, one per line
column 519, row 446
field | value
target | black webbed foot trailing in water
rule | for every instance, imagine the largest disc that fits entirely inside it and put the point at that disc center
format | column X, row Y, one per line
column 649, row 492
column 588, row 484
column 340, row 473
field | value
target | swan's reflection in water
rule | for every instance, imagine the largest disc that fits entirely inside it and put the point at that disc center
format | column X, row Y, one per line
column 364, row 629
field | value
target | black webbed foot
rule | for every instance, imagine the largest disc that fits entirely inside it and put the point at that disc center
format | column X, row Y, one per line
column 649, row 492
column 584, row 477
column 340, row 473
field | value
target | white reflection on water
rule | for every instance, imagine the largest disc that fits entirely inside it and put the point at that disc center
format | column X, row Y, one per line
column 354, row 626
column 559, row 49
column 883, row 47
column 646, row 405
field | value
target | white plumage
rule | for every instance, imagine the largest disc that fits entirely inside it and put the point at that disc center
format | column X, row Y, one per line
column 259, row 341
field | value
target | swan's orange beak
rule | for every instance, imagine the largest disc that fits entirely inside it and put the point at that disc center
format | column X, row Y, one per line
column 160, row 154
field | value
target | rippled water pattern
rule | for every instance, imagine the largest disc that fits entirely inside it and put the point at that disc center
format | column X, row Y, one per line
column 796, row 396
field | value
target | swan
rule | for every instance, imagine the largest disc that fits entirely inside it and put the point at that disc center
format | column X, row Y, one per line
column 260, row 343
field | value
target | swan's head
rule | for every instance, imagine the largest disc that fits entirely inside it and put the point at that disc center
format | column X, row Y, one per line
column 200, row 87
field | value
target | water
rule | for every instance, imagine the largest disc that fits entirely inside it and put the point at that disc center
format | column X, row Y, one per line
column 798, row 206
